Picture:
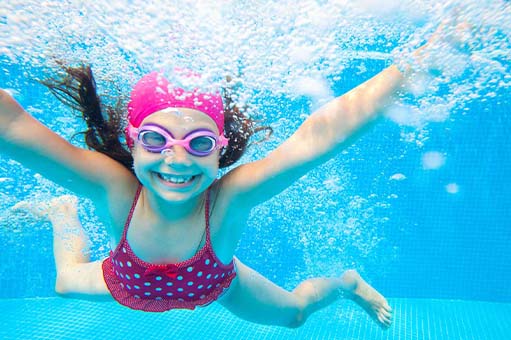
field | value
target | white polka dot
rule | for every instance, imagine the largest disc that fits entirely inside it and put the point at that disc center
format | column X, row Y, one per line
column 191, row 294
column 129, row 264
column 128, row 277
column 124, row 250
column 169, row 294
column 209, row 286
column 207, row 262
column 190, row 283
column 158, row 289
column 180, row 278
column 128, row 286
column 137, row 276
column 120, row 264
column 158, row 278
column 136, row 286
column 136, row 296
column 189, row 269
column 122, row 285
column 208, row 276
column 147, row 284
column 217, row 285
column 147, row 294
column 216, row 276
column 223, row 274
column 215, row 265
column 159, row 298
column 202, row 296
column 169, row 284
column 200, row 286
column 199, row 274
column 180, row 299
column 180, row 289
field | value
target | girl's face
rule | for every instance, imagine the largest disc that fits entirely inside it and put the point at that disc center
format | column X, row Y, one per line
column 176, row 175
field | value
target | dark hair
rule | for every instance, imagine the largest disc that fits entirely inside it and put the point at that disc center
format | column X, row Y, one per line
column 77, row 89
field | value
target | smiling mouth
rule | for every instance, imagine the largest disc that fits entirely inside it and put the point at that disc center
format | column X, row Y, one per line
column 176, row 179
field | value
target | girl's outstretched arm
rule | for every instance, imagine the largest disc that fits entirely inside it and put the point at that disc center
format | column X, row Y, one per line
column 327, row 131
column 321, row 136
column 331, row 128
column 26, row 140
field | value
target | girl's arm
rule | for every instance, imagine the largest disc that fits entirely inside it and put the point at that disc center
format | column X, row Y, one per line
column 325, row 133
column 321, row 136
column 85, row 172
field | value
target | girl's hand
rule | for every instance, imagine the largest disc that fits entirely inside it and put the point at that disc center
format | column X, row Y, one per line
column 450, row 34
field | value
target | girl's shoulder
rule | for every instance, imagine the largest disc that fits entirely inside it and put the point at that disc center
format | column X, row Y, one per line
column 226, row 201
column 119, row 200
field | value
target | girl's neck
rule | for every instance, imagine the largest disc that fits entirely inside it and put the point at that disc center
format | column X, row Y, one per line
column 173, row 211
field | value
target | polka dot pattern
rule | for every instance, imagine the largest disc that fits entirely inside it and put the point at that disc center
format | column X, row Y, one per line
column 157, row 288
column 174, row 286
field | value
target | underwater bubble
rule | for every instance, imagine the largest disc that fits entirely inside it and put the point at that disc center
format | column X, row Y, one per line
column 398, row 177
column 188, row 119
column 404, row 114
column 421, row 85
column 313, row 87
column 379, row 8
column 333, row 184
column 269, row 45
column 437, row 110
column 433, row 160
column 302, row 54
column 452, row 188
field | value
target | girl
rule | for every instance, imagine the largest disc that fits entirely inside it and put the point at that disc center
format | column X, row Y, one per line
column 173, row 226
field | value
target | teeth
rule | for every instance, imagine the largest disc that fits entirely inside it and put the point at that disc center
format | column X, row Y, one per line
column 175, row 179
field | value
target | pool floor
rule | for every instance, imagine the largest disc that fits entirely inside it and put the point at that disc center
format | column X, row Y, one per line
column 59, row 318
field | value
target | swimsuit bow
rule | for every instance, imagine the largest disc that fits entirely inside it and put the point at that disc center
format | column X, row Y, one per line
column 168, row 270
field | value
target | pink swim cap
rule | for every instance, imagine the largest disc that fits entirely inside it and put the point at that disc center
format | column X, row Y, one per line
column 153, row 93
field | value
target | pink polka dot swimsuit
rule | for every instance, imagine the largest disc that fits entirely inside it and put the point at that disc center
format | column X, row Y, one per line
column 140, row 285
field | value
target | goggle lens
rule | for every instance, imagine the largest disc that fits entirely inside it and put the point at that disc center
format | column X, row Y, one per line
column 152, row 139
column 155, row 138
column 203, row 144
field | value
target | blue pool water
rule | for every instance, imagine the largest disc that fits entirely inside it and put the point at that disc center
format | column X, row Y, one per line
column 421, row 210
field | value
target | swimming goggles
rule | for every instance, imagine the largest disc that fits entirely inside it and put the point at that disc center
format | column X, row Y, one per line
column 154, row 138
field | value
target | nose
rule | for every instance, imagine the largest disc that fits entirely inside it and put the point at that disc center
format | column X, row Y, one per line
column 176, row 156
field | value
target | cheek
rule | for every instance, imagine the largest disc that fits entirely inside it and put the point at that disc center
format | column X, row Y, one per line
column 138, row 158
column 142, row 159
column 210, row 166
column 138, row 166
